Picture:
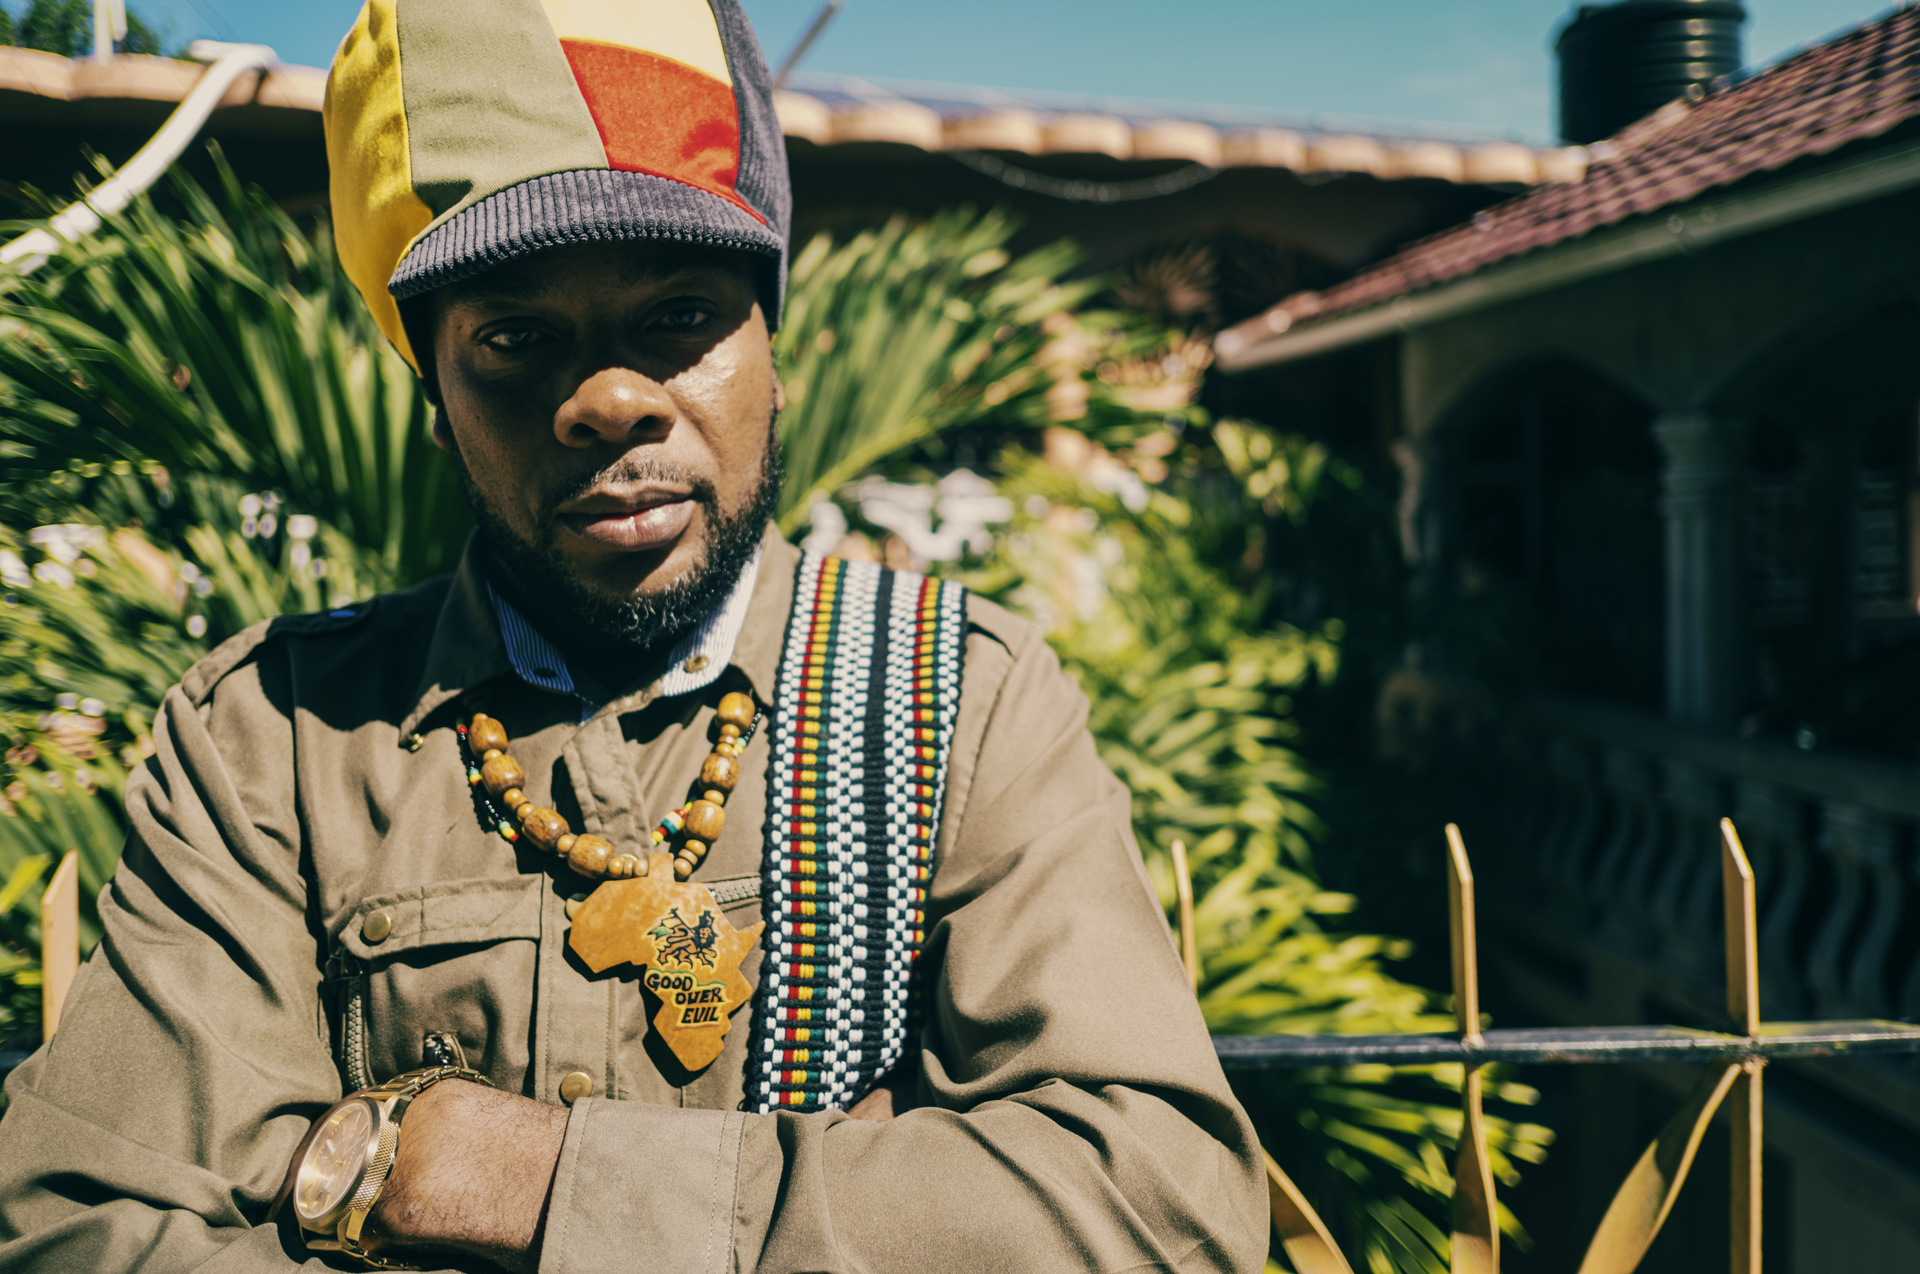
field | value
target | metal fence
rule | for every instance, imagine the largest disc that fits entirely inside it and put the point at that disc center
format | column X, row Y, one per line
column 1736, row 1060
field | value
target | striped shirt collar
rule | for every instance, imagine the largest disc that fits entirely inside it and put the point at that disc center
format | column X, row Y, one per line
column 695, row 662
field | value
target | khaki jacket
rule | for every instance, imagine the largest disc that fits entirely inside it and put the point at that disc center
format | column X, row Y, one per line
column 1072, row 1114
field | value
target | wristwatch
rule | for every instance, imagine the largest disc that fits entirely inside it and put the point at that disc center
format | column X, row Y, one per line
column 339, row 1172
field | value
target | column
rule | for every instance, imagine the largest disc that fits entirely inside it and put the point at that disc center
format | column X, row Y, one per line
column 1706, row 667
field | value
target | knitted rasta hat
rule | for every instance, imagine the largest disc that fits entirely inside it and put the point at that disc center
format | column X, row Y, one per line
column 463, row 134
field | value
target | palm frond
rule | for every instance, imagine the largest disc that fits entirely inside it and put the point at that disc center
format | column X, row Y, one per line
column 225, row 341
column 900, row 334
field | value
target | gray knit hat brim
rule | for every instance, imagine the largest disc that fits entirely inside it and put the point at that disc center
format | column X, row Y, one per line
column 593, row 205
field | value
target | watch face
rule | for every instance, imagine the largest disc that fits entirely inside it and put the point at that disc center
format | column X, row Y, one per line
column 334, row 1163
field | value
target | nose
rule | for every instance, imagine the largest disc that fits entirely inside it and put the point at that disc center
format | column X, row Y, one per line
column 613, row 405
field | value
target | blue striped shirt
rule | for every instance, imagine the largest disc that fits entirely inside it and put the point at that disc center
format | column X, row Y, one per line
column 696, row 661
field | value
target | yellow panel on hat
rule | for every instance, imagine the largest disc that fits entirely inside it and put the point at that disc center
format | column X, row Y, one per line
column 683, row 30
column 376, row 213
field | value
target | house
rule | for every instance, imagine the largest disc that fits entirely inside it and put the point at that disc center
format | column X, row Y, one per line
column 1670, row 412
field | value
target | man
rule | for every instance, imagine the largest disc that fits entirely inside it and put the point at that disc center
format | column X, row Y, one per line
column 418, row 838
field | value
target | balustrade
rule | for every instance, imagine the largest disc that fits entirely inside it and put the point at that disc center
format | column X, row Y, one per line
column 1618, row 829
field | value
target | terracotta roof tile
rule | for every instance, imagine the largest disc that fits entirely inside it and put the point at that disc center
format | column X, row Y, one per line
column 831, row 110
column 1858, row 86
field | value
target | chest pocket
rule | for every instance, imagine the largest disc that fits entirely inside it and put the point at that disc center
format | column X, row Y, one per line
column 456, row 957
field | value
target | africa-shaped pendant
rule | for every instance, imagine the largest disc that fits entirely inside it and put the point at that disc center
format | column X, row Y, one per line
column 690, row 951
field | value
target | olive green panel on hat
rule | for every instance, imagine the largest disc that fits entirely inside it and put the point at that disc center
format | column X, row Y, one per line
column 432, row 106
column 490, row 100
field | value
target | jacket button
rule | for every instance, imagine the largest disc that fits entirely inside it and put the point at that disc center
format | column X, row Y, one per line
column 376, row 926
column 575, row 1085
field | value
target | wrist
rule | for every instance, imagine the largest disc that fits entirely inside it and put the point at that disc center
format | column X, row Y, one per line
column 346, row 1160
column 473, row 1173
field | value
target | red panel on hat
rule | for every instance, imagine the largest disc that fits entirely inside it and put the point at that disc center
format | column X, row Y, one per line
column 659, row 116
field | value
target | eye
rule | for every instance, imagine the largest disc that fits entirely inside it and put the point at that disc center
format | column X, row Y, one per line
column 684, row 318
column 513, row 339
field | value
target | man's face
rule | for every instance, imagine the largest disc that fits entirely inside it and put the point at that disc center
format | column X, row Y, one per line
column 612, row 406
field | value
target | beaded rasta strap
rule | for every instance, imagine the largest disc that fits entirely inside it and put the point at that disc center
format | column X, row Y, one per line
column 862, row 723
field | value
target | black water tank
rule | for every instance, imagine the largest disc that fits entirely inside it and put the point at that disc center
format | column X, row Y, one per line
column 1621, row 62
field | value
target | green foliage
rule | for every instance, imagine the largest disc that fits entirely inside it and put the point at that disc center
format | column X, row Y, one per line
column 904, row 333
column 110, row 620
column 66, row 27
column 89, row 645
column 205, row 429
column 224, row 341
column 1191, row 705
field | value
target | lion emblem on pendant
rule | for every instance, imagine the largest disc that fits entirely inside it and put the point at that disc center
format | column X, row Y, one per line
column 685, row 944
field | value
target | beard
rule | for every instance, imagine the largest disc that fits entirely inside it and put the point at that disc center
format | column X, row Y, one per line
column 641, row 623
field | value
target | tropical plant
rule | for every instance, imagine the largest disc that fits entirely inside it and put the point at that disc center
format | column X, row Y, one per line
column 1137, row 539
column 111, row 619
column 905, row 333
column 92, row 634
column 222, row 340
column 1190, row 704
column 203, row 429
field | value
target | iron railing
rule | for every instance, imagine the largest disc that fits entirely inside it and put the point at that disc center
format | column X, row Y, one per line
column 1736, row 1061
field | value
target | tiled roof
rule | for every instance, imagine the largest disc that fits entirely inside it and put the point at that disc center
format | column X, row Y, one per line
column 29, row 73
column 1857, row 86
column 836, row 109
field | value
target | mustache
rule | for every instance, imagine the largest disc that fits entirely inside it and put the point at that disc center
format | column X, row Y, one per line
column 631, row 471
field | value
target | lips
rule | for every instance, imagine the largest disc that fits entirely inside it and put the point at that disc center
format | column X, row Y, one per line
column 630, row 523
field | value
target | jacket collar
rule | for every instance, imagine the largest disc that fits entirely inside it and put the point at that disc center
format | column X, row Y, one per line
column 466, row 650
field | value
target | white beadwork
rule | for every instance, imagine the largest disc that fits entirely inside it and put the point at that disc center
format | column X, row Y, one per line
column 868, row 875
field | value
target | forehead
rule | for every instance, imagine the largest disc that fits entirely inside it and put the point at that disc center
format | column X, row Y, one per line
column 567, row 271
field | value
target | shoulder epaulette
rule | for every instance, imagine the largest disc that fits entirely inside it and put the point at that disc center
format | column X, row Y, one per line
column 237, row 649
column 338, row 619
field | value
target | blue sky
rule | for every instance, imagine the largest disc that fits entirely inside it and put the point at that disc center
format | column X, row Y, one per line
column 1480, row 63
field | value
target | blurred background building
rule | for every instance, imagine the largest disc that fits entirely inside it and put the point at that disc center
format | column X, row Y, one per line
column 1654, row 436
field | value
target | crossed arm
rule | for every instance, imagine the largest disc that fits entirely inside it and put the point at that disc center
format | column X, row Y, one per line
column 475, row 1172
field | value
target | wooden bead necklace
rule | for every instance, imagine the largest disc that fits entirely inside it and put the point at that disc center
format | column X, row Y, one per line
column 494, row 775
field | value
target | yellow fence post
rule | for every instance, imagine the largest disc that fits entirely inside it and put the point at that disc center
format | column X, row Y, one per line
column 1476, row 1229
column 1743, row 1006
column 1303, row 1235
column 59, row 941
column 1646, row 1197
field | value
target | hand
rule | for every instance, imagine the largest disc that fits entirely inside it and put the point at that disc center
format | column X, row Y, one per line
column 474, row 1174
